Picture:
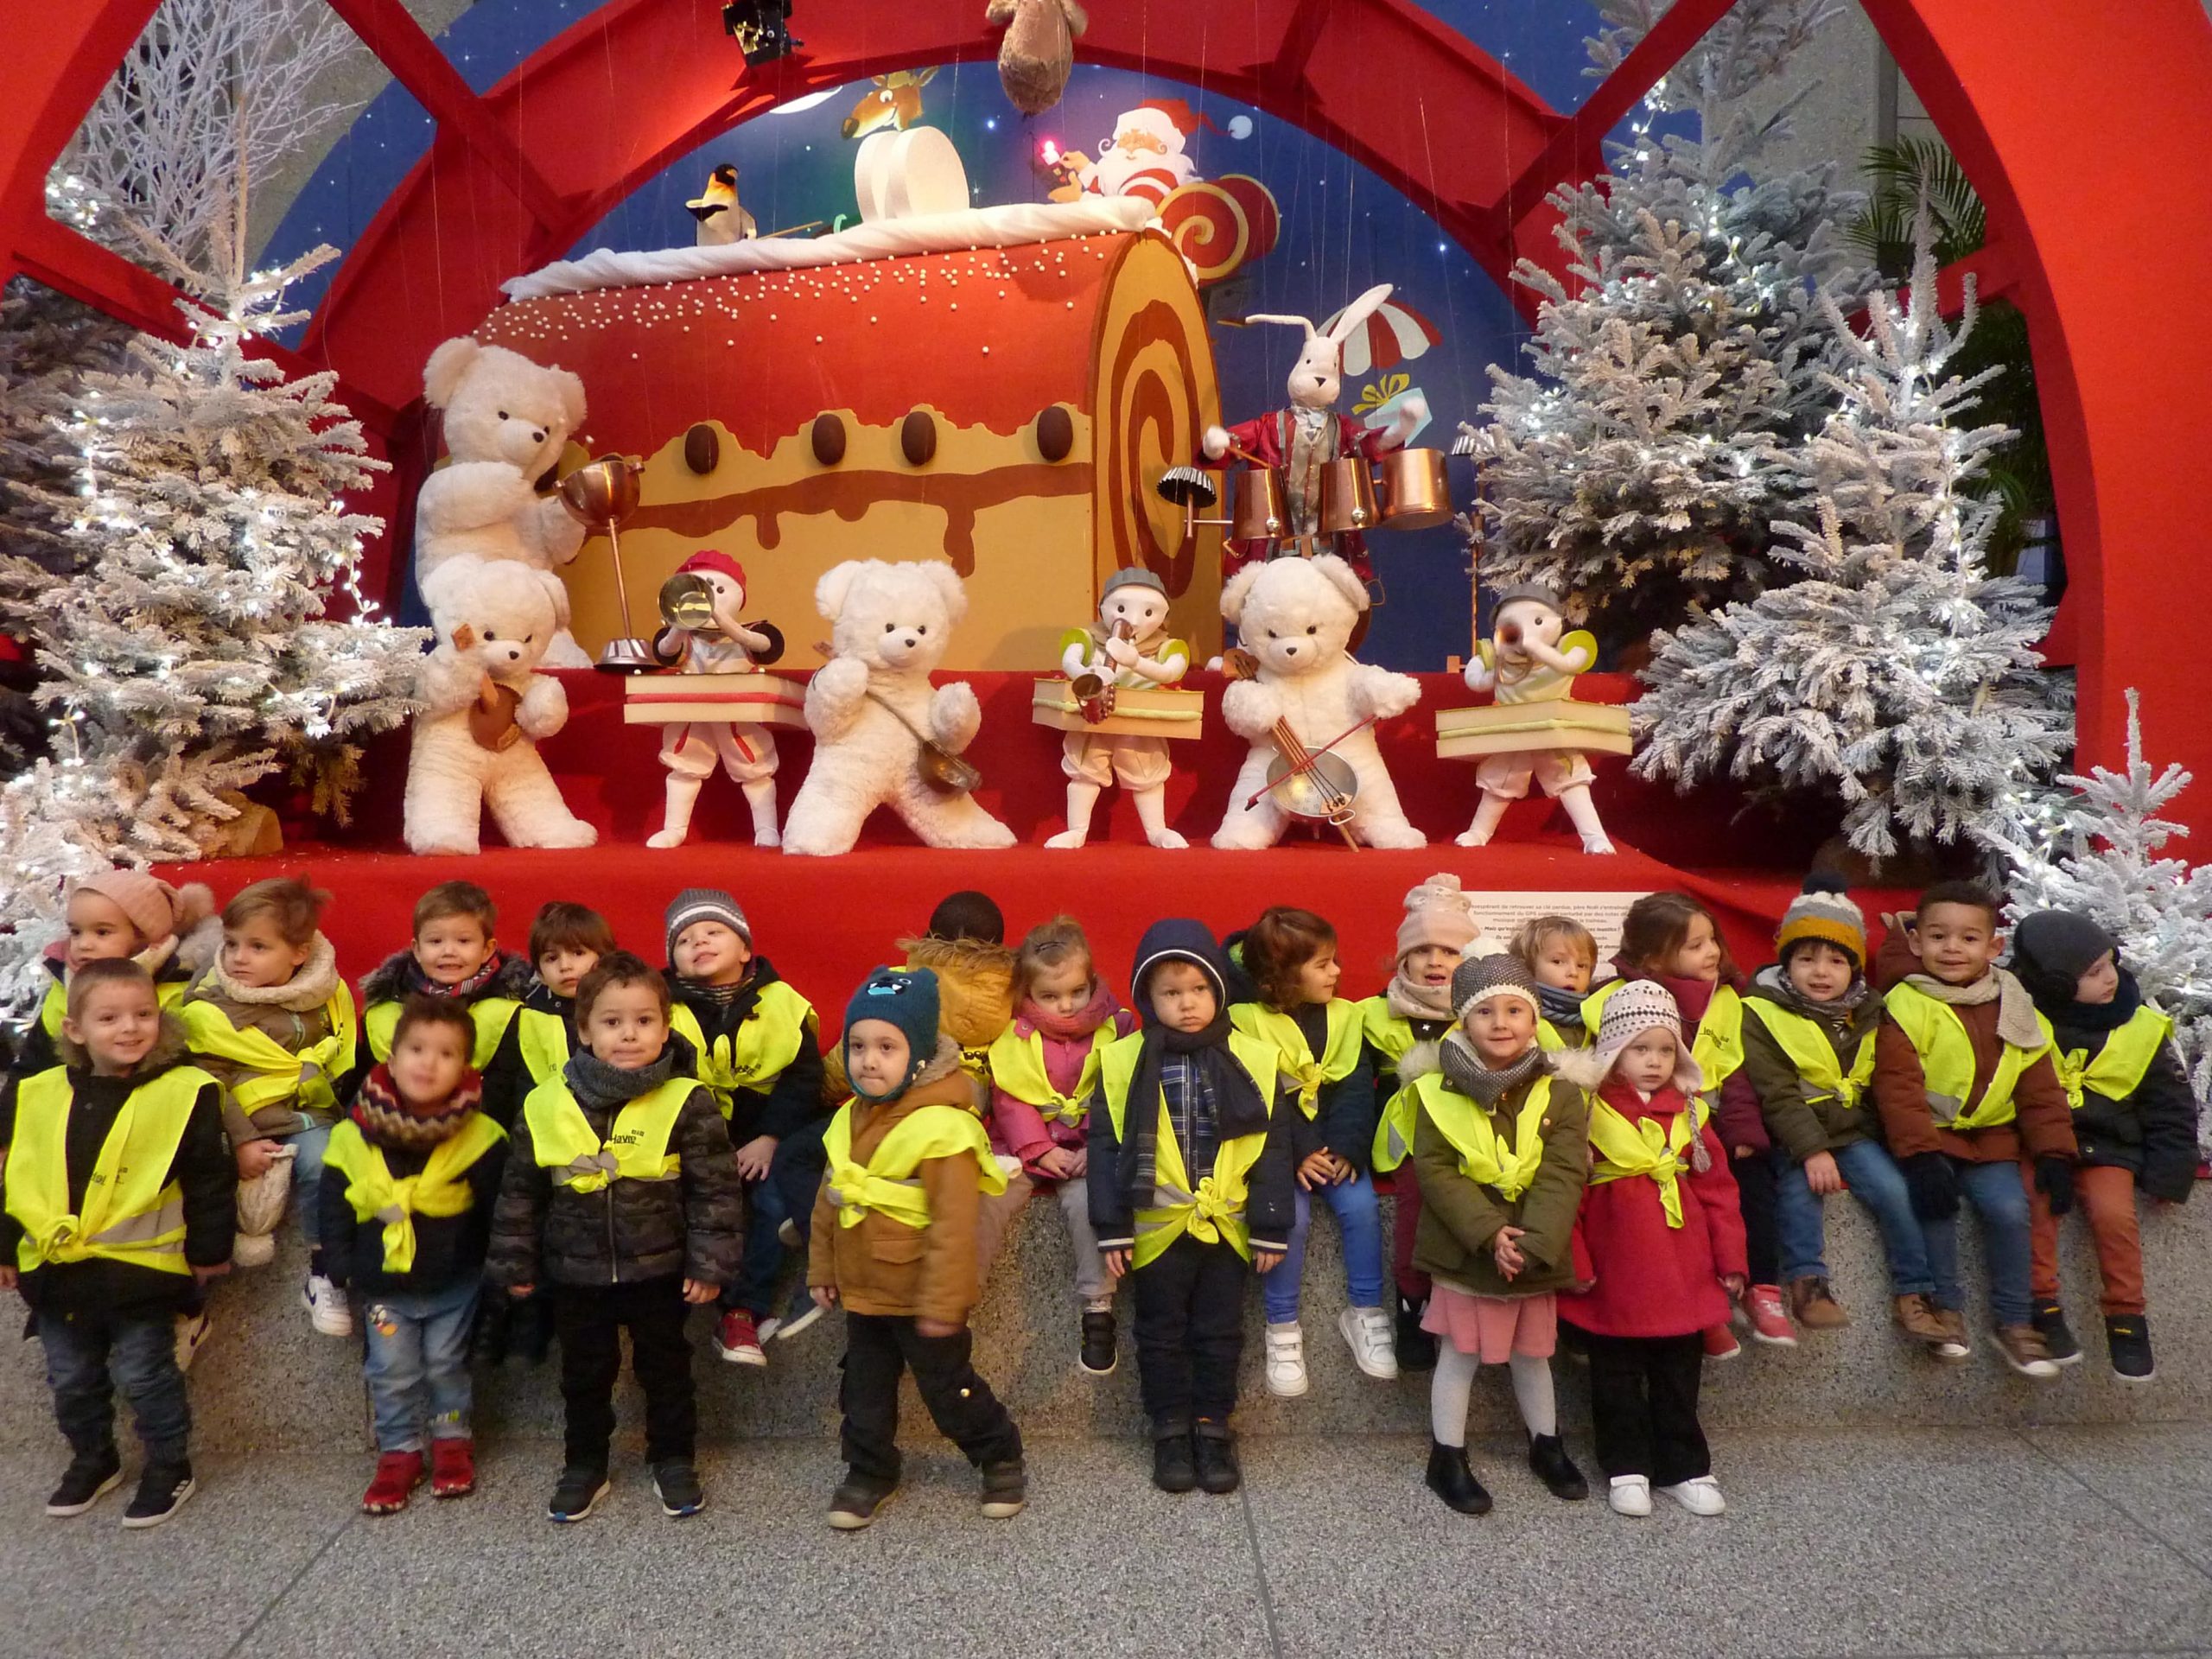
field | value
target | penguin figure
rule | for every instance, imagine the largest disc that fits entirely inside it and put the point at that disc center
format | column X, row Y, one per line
column 720, row 219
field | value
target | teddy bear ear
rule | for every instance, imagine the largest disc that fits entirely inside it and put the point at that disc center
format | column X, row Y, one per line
column 572, row 397
column 1239, row 589
column 441, row 588
column 950, row 587
column 1339, row 576
column 448, row 365
column 836, row 582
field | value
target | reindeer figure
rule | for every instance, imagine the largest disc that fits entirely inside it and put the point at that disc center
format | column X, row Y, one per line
column 896, row 103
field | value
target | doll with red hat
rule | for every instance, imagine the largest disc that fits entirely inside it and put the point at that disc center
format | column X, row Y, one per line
column 710, row 639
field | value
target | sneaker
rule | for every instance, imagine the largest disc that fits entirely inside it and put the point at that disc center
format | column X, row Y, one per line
column 1214, row 1451
column 1918, row 1319
column 1414, row 1349
column 858, row 1500
column 1098, row 1356
column 452, row 1466
column 163, row 1491
column 1174, row 1462
column 2021, row 1347
column 253, row 1250
column 1547, row 1458
column 1367, row 1332
column 1770, row 1323
column 2049, row 1321
column 1451, row 1479
column 2127, row 1336
column 1005, row 1489
column 1813, row 1304
column 735, row 1339
column 1287, row 1361
column 1720, row 1344
column 399, row 1473
column 193, row 1330
column 89, row 1478
column 326, row 1307
column 576, row 1493
column 1699, row 1495
column 800, row 1316
column 1629, row 1495
column 676, row 1482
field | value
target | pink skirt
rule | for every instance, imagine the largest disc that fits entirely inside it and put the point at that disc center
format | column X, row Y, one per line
column 1493, row 1328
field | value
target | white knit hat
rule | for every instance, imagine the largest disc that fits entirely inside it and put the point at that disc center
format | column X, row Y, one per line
column 1640, row 1004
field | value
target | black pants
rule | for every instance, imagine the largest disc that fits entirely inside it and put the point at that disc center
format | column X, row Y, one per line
column 1644, row 1405
column 1754, row 1183
column 1190, row 1331
column 878, row 1347
column 590, row 1320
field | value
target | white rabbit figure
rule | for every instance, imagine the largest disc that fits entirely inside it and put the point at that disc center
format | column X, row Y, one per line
column 1307, row 434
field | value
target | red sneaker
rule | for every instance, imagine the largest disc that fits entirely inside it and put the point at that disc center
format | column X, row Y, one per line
column 1770, row 1323
column 736, row 1339
column 1721, row 1343
column 452, row 1468
column 399, row 1473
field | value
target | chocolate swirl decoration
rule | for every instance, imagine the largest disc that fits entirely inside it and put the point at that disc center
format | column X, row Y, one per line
column 1149, row 421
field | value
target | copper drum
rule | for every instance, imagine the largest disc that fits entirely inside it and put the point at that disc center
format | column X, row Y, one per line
column 1262, row 507
column 1347, row 496
column 602, row 491
column 1418, row 492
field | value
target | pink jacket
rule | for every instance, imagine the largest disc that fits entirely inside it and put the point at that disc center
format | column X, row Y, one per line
column 1018, row 1130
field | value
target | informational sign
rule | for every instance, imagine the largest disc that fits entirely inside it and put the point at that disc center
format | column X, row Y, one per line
column 1601, row 912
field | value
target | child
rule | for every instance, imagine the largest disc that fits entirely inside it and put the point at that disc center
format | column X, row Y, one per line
column 1562, row 955
column 1501, row 1152
column 1044, row 1069
column 1808, row 1050
column 1186, row 1236
column 760, row 1051
column 1320, row 1045
column 272, row 1021
column 627, row 1247
column 407, row 1187
column 893, row 1241
column 2134, row 1122
column 1964, row 1083
column 115, row 914
column 118, row 1196
column 1414, row 1010
column 1658, row 1252
column 1672, row 938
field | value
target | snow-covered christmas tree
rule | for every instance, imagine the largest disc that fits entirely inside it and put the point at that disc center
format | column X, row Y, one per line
column 1644, row 464
column 1897, row 671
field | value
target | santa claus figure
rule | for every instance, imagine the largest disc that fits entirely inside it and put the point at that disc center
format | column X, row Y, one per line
column 1145, row 157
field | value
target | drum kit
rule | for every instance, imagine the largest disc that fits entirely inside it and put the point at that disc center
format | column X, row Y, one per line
column 1414, row 495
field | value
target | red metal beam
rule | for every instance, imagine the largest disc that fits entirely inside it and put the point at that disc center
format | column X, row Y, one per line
column 1300, row 36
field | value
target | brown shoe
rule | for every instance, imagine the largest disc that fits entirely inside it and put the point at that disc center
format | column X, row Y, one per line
column 2025, row 1351
column 1814, row 1306
column 1918, row 1320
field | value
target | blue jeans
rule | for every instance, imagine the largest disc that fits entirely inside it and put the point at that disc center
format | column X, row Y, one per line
column 1874, row 1181
column 307, row 1149
column 84, row 1351
column 417, row 1364
column 786, row 1193
column 1998, row 1197
column 1360, row 1222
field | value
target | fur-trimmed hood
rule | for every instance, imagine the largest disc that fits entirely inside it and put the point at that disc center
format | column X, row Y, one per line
column 172, row 1047
column 387, row 981
column 307, row 990
column 975, row 983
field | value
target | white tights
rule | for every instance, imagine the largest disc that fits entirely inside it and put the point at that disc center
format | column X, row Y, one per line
column 1453, row 1388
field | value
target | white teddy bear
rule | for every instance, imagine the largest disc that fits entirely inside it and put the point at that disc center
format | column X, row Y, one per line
column 1296, row 616
column 890, row 625
column 475, row 742
column 506, row 422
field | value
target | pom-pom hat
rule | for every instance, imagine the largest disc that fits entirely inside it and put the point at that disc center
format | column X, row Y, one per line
column 1439, row 911
column 1823, row 911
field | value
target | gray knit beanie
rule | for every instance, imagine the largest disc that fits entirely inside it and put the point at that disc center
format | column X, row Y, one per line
column 1480, row 978
column 704, row 905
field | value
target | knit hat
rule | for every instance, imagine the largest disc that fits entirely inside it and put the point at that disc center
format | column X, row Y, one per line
column 1439, row 911
column 711, row 561
column 704, row 905
column 1177, row 939
column 1133, row 575
column 1480, row 978
column 157, row 910
column 1823, row 911
column 905, row 998
column 2052, row 949
column 1641, row 1005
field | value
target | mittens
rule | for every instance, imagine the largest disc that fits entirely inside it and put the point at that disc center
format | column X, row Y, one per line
column 1933, row 1184
column 2055, row 1179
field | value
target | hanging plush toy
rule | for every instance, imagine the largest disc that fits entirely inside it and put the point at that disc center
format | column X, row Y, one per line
column 700, row 604
column 1129, row 649
column 1038, row 49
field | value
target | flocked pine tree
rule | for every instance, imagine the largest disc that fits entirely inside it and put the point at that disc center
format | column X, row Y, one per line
column 1896, row 670
column 1643, row 465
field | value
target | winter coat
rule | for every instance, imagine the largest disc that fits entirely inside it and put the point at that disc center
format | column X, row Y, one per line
column 1459, row 1220
column 975, row 987
column 388, row 982
column 794, row 1098
column 1018, row 1128
column 295, row 1015
column 2042, row 1126
column 2151, row 1132
column 507, row 1082
column 447, row 1249
column 1344, row 1111
column 1646, row 1278
column 1799, row 1127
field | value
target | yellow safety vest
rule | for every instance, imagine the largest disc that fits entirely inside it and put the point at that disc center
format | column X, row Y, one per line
column 1718, row 1048
column 1814, row 1057
column 1548, row 1039
column 636, row 1147
column 1347, row 1040
column 1391, row 1033
column 1939, row 1037
column 543, row 1040
column 1211, row 1208
column 1641, row 1148
column 2117, row 1070
column 1018, row 1067
column 766, row 1042
column 1393, row 1037
column 887, row 1183
column 1484, row 1157
column 437, row 1190
column 274, row 1074
column 488, row 1014
column 133, row 1212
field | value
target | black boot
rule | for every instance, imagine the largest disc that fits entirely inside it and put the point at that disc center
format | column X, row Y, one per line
column 1451, row 1479
column 1416, row 1349
column 2049, row 1321
column 1547, row 1457
column 1174, row 1468
column 1217, row 1458
column 1097, row 1354
column 495, row 1315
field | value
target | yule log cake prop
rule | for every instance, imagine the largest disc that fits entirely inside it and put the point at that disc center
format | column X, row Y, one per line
column 1512, row 728
column 1011, row 402
column 1119, row 711
column 736, row 699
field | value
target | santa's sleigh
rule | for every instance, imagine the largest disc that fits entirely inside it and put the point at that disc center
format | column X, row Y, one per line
column 732, row 699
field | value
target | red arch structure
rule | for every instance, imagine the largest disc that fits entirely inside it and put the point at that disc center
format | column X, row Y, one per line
column 2093, row 228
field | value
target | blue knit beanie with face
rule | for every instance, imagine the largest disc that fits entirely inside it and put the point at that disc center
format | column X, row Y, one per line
column 905, row 998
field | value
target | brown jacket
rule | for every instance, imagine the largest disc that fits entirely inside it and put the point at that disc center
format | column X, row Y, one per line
column 884, row 1267
column 296, row 1014
column 2045, row 1122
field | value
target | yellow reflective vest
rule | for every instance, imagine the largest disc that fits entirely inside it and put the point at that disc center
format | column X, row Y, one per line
column 132, row 1211
column 1393, row 1036
column 1294, row 1057
column 765, row 1041
column 1643, row 1148
column 1210, row 1209
column 1718, row 1048
column 439, row 1189
column 2116, row 1070
column 1939, row 1037
column 1484, row 1159
column 489, row 1015
column 636, row 1147
column 887, row 1183
column 272, row 1074
column 1018, row 1067
column 1813, row 1057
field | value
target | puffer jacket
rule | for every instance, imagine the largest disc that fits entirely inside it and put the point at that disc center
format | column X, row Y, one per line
column 1799, row 1127
column 388, row 982
column 296, row 1015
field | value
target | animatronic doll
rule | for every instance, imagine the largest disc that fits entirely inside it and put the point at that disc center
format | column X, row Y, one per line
column 1130, row 648
column 705, row 637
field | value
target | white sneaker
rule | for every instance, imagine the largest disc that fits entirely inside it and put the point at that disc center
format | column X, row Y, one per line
column 192, row 1331
column 325, row 1307
column 253, row 1250
column 1629, row 1495
column 1285, row 1360
column 1373, row 1339
column 1700, row 1496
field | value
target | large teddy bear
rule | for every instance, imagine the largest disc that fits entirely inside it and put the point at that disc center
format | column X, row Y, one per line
column 475, row 742
column 890, row 624
column 506, row 422
column 1296, row 617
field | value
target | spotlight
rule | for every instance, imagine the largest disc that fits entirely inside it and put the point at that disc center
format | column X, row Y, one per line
column 761, row 28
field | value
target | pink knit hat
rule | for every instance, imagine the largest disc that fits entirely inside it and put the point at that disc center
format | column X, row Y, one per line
column 1439, row 911
column 156, row 909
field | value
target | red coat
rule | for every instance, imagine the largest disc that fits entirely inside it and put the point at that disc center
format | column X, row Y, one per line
column 1263, row 439
column 1651, row 1280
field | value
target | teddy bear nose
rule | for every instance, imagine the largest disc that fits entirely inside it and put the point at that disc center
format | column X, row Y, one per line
column 1290, row 651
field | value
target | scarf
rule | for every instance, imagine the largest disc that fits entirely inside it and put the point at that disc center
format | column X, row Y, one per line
column 1238, row 1108
column 310, row 986
column 1086, row 1021
column 1775, row 983
column 1473, row 1075
column 2016, row 1009
column 1408, row 1000
column 386, row 1119
column 605, row 1088
column 720, row 996
column 2099, row 1016
column 414, row 979
column 1559, row 1005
